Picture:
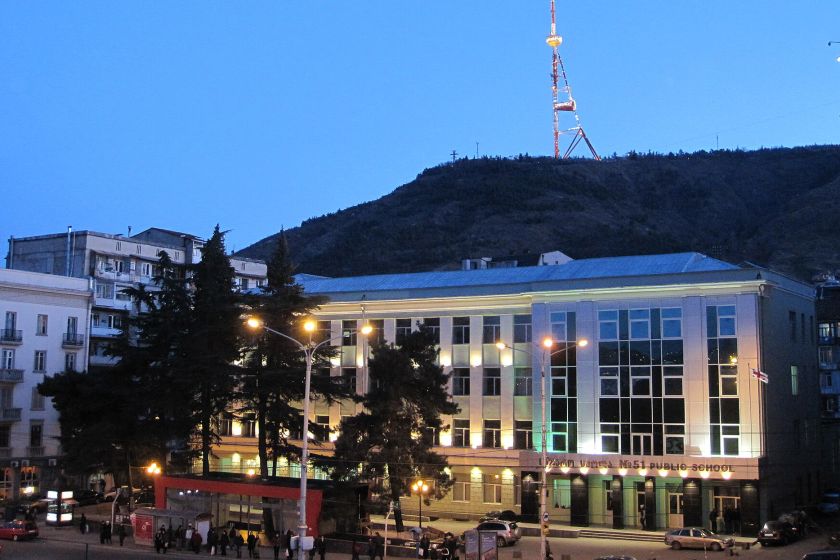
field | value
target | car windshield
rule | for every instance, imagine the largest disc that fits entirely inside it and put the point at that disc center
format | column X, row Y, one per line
column 771, row 525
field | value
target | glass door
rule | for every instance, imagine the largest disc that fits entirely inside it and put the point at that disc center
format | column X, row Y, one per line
column 675, row 509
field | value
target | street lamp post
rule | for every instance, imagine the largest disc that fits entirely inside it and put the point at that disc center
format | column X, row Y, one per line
column 543, row 359
column 421, row 488
column 308, row 350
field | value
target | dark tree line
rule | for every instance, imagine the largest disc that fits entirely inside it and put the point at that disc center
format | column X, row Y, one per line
column 186, row 357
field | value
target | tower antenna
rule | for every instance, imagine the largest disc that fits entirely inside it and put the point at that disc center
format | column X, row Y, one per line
column 554, row 40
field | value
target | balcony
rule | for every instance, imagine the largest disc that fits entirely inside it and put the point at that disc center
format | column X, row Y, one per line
column 10, row 414
column 72, row 340
column 5, row 452
column 35, row 451
column 104, row 332
column 11, row 336
column 11, row 375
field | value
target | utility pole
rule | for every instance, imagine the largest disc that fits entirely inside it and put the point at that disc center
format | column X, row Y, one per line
column 454, row 155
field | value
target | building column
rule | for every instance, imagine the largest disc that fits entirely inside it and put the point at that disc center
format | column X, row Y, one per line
column 650, row 503
column 617, row 491
column 692, row 503
column 579, row 506
column 750, row 511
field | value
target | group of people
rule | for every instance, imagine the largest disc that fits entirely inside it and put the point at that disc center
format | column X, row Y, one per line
column 731, row 520
column 284, row 543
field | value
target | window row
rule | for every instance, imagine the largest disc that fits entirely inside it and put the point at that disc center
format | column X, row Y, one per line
column 10, row 329
column 640, row 324
column 492, row 382
column 7, row 360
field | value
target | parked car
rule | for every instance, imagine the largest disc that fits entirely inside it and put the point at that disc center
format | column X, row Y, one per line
column 123, row 494
column 144, row 499
column 503, row 515
column 507, row 532
column 87, row 497
column 777, row 532
column 18, row 530
column 697, row 537
column 33, row 503
column 829, row 503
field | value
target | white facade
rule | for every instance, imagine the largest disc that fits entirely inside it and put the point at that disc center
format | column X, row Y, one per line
column 46, row 328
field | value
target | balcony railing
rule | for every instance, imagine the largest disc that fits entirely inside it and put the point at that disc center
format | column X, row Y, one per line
column 73, row 340
column 11, row 336
column 5, row 452
column 10, row 414
column 11, row 375
column 35, row 451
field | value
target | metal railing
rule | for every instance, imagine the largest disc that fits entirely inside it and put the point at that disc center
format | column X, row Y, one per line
column 10, row 414
column 11, row 375
column 73, row 339
column 11, row 335
column 35, row 451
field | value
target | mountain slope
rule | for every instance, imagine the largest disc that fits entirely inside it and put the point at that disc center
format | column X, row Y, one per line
column 774, row 207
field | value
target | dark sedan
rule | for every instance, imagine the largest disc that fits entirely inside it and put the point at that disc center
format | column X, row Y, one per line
column 777, row 532
column 501, row 515
column 87, row 497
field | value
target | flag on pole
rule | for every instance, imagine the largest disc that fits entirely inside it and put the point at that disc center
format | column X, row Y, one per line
column 760, row 375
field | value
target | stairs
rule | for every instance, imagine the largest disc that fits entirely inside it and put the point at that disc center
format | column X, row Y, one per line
column 644, row 536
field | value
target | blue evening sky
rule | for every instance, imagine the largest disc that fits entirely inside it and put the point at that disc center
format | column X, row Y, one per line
column 261, row 114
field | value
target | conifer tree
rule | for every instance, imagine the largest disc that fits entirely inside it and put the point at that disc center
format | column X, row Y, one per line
column 393, row 438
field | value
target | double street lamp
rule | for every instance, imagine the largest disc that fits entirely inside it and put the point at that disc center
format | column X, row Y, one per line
column 308, row 348
column 421, row 488
column 543, row 358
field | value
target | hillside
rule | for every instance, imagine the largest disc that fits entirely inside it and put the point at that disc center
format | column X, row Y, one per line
column 773, row 207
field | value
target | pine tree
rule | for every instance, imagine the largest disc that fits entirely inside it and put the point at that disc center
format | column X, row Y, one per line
column 212, row 345
column 276, row 365
column 393, row 438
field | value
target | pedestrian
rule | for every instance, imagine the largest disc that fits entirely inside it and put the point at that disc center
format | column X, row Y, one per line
column 713, row 515
column 252, row 543
column 196, row 541
column 288, row 541
column 224, row 542
column 211, row 540
column 108, row 532
column 158, row 540
column 727, row 520
column 356, row 550
column 311, row 552
column 102, row 533
column 238, row 541
column 277, row 543
column 121, row 532
column 642, row 517
column 322, row 547
column 83, row 524
column 424, row 546
column 380, row 546
column 548, row 554
column 188, row 537
column 371, row 548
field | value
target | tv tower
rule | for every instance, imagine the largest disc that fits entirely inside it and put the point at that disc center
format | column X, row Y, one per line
column 569, row 106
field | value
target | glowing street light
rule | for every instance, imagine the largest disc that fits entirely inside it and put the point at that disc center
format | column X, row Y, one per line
column 543, row 359
column 308, row 350
column 420, row 488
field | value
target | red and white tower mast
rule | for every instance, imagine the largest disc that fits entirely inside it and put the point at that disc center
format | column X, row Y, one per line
column 568, row 106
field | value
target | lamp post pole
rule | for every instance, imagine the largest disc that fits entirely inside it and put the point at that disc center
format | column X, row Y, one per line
column 421, row 488
column 543, row 359
column 309, row 353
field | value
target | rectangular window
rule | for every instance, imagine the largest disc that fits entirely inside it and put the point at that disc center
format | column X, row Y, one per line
column 40, row 361
column 522, row 382
column 792, row 320
column 492, row 330
column 726, row 320
column 8, row 359
column 794, row 380
column 492, row 484
column 70, row 361
column 35, row 435
column 608, row 325
column 225, row 421
column 37, row 399
column 323, row 421
column 672, row 323
column 804, row 336
column 640, row 324
column 559, row 327
column 492, row 382
column 41, row 325
column 377, row 335
column 460, row 381
column 348, row 333
column 522, row 328
column 826, row 354
column 461, row 491
column 492, row 433
column 72, row 325
column 403, row 330
column 249, row 425
column 460, row 330
column 523, row 436
column 349, row 375
column 434, row 326
column 461, row 432
column 145, row 269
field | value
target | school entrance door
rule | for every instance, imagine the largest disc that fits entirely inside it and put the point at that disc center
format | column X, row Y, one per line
column 675, row 509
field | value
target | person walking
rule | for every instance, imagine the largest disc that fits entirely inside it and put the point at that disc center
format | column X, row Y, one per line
column 159, row 540
column 102, row 533
column 238, row 541
column 713, row 515
column 252, row 544
column 121, row 532
column 424, row 546
column 321, row 545
column 188, row 537
column 380, row 546
column 224, row 542
column 108, row 532
column 548, row 554
column 642, row 517
column 196, row 541
column 288, row 542
column 211, row 540
column 83, row 524
column 356, row 550
column 277, row 543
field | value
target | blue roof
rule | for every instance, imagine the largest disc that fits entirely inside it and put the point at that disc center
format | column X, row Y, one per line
column 610, row 267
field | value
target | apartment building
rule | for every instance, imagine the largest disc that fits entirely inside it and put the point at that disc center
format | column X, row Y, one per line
column 45, row 332
column 664, row 409
column 116, row 262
